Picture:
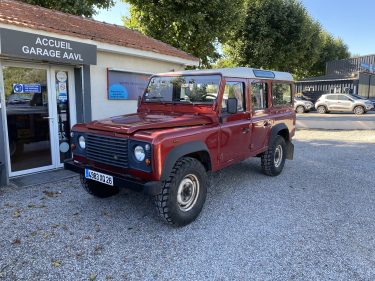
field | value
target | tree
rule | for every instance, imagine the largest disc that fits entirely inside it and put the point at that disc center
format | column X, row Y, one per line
column 280, row 35
column 194, row 26
column 80, row 8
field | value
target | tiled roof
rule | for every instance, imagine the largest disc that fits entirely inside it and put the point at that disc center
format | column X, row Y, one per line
column 35, row 17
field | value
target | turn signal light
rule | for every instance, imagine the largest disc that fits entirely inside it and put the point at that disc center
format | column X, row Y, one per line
column 73, row 146
column 148, row 162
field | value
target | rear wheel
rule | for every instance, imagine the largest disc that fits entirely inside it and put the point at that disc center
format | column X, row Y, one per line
column 300, row 109
column 273, row 159
column 183, row 193
column 98, row 189
column 322, row 109
column 359, row 110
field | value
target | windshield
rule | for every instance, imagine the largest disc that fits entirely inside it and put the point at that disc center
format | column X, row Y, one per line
column 189, row 89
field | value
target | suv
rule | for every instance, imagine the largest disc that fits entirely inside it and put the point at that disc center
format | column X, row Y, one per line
column 188, row 124
column 302, row 105
column 344, row 103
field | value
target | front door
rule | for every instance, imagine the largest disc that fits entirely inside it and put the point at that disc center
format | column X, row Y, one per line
column 235, row 133
column 36, row 106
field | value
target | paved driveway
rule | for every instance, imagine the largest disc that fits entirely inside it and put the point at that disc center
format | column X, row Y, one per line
column 316, row 221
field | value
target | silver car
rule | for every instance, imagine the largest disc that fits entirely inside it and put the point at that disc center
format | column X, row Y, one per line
column 302, row 105
column 343, row 103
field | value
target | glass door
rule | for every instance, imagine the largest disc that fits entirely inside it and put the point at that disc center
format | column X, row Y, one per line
column 29, row 119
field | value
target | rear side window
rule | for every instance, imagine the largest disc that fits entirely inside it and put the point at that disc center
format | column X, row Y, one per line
column 281, row 94
column 234, row 90
column 259, row 95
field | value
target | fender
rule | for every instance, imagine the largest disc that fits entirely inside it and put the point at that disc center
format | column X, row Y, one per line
column 289, row 145
column 178, row 152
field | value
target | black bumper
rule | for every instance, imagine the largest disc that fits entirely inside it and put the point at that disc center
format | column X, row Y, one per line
column 151, row 187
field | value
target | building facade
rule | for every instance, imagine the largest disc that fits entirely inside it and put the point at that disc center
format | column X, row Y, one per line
column 354, row 75
column 57, row 70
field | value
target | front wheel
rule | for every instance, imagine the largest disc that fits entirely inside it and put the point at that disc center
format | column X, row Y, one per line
column 300, row 109
column 184, row 192
column 359, row 110
column 98, row 189
column 273, row 159
column 322, row 109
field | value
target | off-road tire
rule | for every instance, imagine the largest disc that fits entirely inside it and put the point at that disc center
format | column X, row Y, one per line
column 322, row 109
column 268, row 158
column 300, row 109
column 167, row 203
column 98, row 189
column 359, row 110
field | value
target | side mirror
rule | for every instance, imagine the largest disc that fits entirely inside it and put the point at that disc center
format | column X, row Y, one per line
column 232, row 104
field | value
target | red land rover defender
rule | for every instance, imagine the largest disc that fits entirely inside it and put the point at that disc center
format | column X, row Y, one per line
column 188, row 124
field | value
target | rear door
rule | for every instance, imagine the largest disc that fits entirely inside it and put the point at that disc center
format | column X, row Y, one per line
column 332, row 102
column 235, row 133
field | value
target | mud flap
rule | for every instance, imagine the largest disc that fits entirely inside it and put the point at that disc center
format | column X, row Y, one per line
column 289, row 150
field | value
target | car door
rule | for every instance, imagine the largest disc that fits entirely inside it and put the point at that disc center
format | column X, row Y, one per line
column 235, row 132
column 260, row 114
column 345, row 103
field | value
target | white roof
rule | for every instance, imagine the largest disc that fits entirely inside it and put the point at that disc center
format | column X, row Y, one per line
column 239, row 72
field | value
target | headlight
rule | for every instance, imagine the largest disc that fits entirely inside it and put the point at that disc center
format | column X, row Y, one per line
column 82, row 142
column 139, row 153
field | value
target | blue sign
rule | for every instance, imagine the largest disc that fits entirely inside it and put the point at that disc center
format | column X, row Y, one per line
column 118, row 92
column 63, row 97
column 27, row 88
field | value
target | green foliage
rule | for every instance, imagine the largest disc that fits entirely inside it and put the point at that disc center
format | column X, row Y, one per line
column 80, row 8
column 280, row 35
column 195, row 26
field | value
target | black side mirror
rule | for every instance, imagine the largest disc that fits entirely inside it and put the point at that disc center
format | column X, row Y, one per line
column 232, row 104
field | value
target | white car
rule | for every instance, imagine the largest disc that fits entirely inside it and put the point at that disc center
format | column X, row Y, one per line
column 302, row 105
column 343, row 103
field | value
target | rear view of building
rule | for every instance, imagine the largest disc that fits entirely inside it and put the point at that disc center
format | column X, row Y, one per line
column 354, row 75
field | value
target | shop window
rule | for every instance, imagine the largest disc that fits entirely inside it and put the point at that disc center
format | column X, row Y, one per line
column 281, row 94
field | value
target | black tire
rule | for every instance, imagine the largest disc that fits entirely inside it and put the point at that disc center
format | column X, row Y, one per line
column 98, row 189
column 359, row 110
column 271, row 160
column 170, row 201
column 300, row 109
column 322, row 109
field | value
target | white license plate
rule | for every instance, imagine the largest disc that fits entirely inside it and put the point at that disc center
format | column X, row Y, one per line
column 96, row 176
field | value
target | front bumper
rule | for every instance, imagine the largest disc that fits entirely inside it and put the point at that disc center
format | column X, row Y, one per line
column 151, row 187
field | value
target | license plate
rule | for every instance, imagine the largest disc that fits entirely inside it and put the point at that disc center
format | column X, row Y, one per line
column 96, row 176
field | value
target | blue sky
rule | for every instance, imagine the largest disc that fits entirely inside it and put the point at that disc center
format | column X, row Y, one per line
column 353, row 21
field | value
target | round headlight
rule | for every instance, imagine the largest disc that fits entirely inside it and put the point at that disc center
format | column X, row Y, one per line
column 139, row 153
column 82, row 142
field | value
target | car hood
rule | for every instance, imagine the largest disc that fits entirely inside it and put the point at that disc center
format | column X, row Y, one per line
column 128, row 124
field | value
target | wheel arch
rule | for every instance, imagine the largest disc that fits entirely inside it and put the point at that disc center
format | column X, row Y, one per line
column 283, row 131
column 195, row 149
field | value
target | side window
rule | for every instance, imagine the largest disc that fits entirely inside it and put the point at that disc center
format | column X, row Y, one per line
column 234, row 90
column 259, row 96
column 332, row 97
column 281, row 94
column 344, row 98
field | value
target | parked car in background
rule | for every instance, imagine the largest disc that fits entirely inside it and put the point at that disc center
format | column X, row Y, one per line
column 343, row 103
column 302, row 105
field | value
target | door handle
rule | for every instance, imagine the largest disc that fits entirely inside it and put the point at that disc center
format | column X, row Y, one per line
column 245, row 130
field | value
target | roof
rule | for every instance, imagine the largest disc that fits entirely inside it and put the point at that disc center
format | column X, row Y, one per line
column 35, row 17
column 239, row 72
column 330, row 77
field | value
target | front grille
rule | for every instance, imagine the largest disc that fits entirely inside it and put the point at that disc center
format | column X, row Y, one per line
column 107, row 150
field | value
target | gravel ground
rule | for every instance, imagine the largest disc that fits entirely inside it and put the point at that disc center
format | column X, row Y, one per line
column 313, row 222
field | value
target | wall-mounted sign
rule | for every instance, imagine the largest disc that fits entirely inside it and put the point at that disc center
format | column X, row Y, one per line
column 34, row 46
column 27, row 88
column 126, row 85
column 61, row 76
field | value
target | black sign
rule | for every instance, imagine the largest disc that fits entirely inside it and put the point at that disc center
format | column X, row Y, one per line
column 34, row 46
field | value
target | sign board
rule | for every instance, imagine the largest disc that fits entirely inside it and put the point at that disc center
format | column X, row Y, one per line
column 126, row 85
column 45, row 48
column 27, row 88
column 365, row 65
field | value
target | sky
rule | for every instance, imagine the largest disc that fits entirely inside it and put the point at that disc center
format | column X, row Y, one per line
column 352, row 21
